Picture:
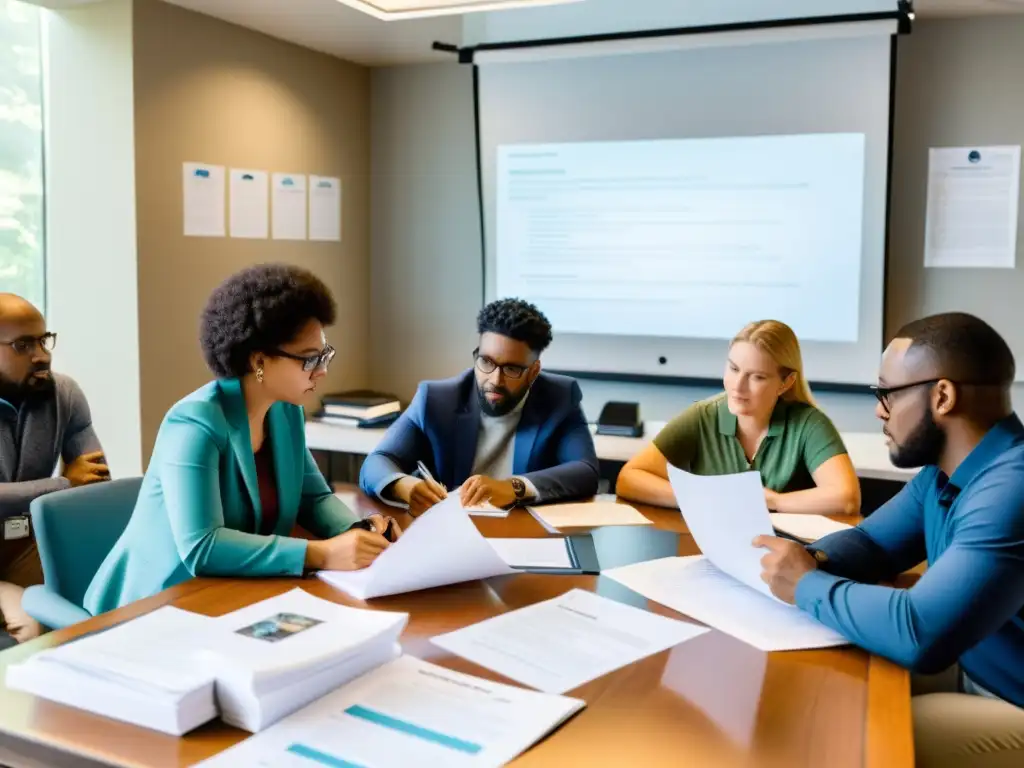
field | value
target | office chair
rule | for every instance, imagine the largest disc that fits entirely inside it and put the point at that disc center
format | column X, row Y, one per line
column 75, row 529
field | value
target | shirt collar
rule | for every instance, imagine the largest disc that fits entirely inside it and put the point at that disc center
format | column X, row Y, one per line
column 727, row 420
column 995, row 442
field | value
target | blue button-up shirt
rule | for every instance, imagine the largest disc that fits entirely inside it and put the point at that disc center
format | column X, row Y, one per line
column 969, row 604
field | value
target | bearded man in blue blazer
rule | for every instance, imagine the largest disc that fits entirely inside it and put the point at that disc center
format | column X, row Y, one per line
column 503, row 431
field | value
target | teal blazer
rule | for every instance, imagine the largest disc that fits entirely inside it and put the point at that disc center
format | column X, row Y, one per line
column 198, row 510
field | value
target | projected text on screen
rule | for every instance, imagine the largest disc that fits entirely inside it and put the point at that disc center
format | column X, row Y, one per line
column 687, row 238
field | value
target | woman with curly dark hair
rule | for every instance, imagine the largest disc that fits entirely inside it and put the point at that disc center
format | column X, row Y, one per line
column 230, row 473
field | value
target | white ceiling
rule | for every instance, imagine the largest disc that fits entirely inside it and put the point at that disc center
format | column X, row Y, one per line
column 337, row 29
column 334, row 28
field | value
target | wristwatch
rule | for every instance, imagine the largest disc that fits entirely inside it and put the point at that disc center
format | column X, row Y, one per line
column 518, row 488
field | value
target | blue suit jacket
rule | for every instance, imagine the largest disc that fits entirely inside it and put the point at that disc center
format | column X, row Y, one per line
column 553, row 446
column 199, row 509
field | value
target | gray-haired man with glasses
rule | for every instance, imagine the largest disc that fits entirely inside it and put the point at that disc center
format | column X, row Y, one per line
column 44, row 417
column 502, row 431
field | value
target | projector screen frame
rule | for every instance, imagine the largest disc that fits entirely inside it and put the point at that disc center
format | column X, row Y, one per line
column 903, row 15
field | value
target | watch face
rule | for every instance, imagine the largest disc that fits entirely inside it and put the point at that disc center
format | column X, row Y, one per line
column 518, row 487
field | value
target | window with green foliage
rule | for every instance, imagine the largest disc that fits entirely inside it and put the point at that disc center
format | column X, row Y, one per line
column 22, row 260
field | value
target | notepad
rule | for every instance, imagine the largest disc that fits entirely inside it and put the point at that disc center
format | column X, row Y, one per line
column 806, row 528
column 556, row 517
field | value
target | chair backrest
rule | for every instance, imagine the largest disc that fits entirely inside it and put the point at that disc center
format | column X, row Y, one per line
column 76, row 528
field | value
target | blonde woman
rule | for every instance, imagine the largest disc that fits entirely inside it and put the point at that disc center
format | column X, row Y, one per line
column 765, row 420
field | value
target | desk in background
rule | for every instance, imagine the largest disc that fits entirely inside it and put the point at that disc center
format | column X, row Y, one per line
column 343, row 449
column 710, row 701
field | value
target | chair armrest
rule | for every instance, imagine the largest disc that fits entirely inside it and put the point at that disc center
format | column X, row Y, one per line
column 50, row 609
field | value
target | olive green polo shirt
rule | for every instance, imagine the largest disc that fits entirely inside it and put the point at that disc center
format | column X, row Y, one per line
column 702, row 440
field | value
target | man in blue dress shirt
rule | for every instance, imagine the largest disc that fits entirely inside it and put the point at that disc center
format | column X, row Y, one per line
column 944, row 401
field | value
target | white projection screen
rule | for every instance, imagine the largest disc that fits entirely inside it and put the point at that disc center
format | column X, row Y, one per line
column 652, row 202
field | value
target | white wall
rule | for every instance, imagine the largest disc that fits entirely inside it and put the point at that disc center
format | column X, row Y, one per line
column 595, row 17
column 91, row 278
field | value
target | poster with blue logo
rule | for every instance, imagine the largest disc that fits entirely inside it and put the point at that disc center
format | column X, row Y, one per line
column 973, row 199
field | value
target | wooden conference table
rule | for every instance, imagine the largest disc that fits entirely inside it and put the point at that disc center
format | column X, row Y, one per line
column 712, row 701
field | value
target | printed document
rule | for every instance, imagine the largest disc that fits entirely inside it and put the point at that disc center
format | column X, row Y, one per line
column 724, row 514
column 407, row 713
column 560, row 644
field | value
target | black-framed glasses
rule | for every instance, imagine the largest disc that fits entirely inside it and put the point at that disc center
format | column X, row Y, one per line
column 310, row 363
column 26, row 344
column 884, row 393
column 488, row 366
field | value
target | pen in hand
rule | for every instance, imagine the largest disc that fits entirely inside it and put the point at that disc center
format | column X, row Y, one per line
column 429, row 478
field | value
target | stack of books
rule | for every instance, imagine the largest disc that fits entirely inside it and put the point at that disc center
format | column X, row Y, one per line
column 359, row 408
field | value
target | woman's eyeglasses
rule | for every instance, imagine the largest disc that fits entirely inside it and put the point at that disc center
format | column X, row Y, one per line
column 311, row 363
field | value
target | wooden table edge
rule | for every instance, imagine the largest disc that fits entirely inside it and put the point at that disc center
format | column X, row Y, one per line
column 889, row 727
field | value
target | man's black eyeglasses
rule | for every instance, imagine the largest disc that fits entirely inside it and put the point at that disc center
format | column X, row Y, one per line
column 26, row 344
column 310, row 363
column 883, row 393
column 486, row 365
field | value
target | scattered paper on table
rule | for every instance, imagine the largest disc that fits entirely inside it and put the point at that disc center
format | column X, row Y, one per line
column 203, row 199
column 533, row 553
column 560, row 644
column 589, row 515
column 442, row 546
column 695, row 587
column 408, row 712
column 324, row 208
column 807, row 528
column 289, row 206
column 249, row 204
column 971, row 219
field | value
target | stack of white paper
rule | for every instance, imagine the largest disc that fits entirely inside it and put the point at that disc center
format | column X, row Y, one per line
column 407, row 713
column 724, row 588
column 276, row 656
column 807, row 528
column 441, row 547
column 560, row 644
column 164, row 670
column 556, row 517
column 135, row 672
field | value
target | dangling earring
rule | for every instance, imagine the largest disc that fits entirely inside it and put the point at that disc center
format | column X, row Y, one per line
column 259, row 374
